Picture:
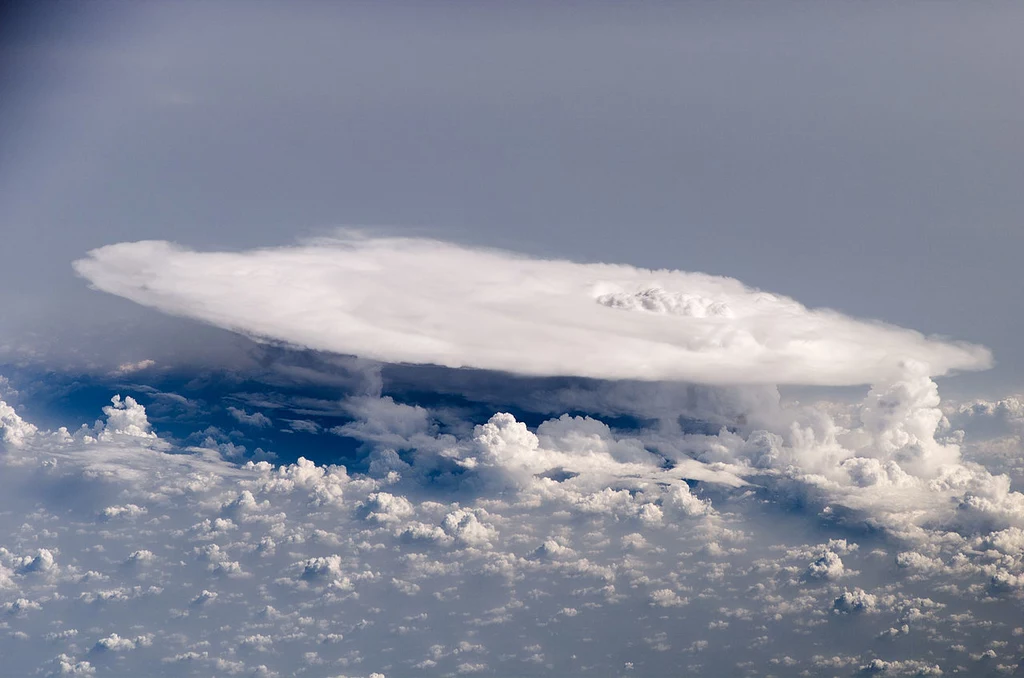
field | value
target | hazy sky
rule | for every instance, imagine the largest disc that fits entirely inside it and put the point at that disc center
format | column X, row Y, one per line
column 860, row 156
column 618, row 487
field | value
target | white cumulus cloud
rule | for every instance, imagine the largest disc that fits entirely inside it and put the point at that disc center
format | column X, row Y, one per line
column 180, row 559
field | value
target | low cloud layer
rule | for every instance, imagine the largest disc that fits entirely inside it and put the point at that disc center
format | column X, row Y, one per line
column 564, row 549
column 421, row 301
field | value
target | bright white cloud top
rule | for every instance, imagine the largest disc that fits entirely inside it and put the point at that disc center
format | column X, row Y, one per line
column 405, row 300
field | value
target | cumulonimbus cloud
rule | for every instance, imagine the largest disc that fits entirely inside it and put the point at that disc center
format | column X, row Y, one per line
column 406, row 300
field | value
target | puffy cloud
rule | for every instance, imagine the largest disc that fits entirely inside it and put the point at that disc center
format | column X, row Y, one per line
column 129, row 511
column 116, row 643
column 130, row 368
column 21, row 605
column 900, row 420
column 326, row 485
column 828, row 566
column 13, row 429
column 467, row 528
column 125, row 418
column 682, row 502
column 384, row 507
column 304, row 426
column 504, row 453
column 667, row 598
column 257, row 419
column 43, row 562
column 571, row 523
column 985, row 419
column 908, row 667
column 423, row 301
column 990, row 432
column 67, row 666
column 888, row 462
column 856, row 601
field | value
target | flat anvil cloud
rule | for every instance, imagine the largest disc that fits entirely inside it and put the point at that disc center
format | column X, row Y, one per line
column 405, row 300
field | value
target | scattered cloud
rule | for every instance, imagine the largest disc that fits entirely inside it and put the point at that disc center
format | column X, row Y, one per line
column 130, row 368
column 464, row 552
column 256, row 419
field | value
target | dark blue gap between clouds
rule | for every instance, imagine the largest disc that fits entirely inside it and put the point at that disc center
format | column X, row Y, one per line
column 186, row 405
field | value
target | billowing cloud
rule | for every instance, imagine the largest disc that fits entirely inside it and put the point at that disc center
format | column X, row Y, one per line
column 474, row 556
column 406, row 300
column 257, row 419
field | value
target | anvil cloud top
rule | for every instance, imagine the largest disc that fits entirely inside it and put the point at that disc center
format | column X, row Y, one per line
column 408, row 300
